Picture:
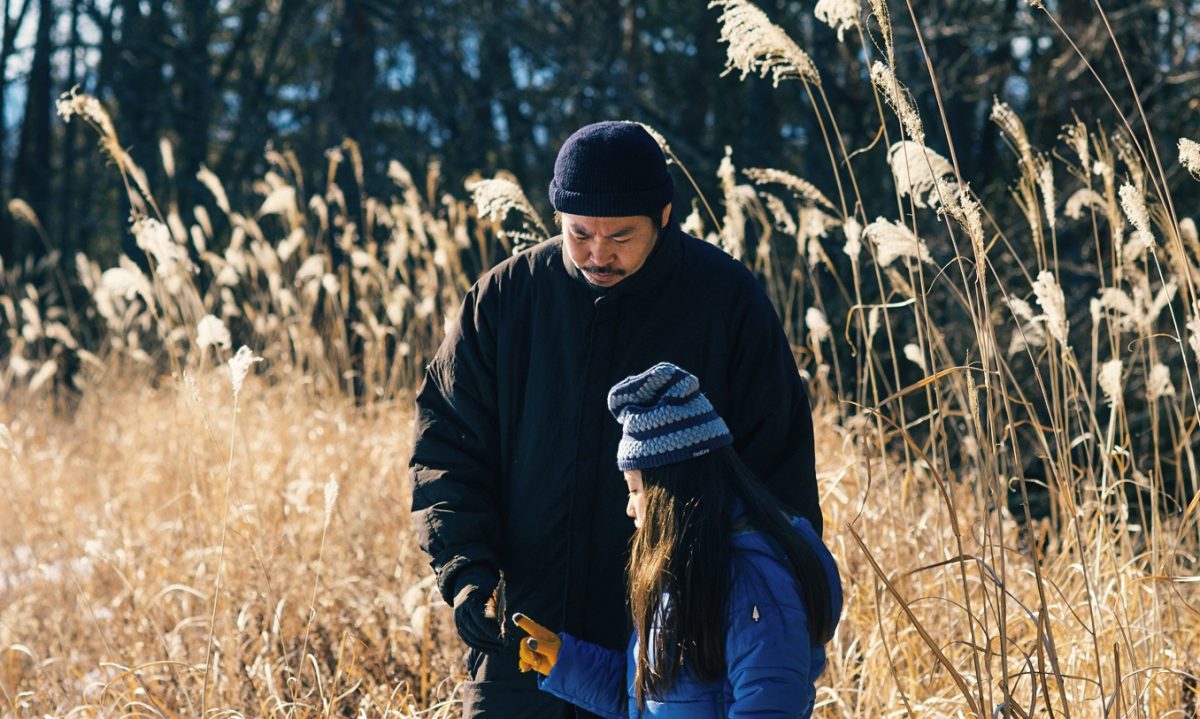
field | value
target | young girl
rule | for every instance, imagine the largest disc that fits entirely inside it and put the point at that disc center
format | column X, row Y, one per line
column 732, row 599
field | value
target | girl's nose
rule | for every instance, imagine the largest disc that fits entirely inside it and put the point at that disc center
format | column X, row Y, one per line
column 629, row 509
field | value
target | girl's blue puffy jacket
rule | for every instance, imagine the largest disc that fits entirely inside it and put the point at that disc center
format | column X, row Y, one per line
column 771, row 663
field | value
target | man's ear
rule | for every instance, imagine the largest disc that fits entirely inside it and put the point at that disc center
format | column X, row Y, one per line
column 666, row 215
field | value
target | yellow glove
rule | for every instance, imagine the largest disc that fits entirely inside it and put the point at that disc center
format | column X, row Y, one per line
column 539, row 651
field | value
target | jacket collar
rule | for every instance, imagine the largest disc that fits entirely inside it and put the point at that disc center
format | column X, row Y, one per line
column 657, row 267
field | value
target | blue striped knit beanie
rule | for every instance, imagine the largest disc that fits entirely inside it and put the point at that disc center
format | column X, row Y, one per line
column 665, row 418
column 611, row 169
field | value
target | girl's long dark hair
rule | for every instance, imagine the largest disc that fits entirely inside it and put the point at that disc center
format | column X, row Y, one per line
column 683, row 549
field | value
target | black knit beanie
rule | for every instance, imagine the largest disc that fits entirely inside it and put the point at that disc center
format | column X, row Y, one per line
column 611, row 169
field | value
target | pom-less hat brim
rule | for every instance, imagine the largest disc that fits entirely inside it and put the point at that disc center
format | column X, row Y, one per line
column 650, row 201
column 628, row 464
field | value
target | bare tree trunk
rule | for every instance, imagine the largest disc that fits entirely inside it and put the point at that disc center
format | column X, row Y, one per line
column 67, row 214
column 32, row 179
column 7, row 47
column 196, row 92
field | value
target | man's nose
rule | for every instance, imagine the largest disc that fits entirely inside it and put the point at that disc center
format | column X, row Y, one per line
column 601, row 251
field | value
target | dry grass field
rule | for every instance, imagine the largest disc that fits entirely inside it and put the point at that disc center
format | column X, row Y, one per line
column 1006, row 458
column 156, row 538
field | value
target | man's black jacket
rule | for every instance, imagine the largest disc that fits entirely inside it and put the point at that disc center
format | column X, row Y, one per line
column 514, row 462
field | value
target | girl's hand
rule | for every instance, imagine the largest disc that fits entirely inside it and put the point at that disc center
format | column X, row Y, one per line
column 539, row 651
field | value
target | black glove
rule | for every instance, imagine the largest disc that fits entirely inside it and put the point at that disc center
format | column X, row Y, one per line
column 475, row 620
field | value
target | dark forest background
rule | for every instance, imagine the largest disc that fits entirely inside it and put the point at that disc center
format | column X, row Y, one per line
column 487, row 85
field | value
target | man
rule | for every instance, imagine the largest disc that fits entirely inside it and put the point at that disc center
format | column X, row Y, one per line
column 514, row 463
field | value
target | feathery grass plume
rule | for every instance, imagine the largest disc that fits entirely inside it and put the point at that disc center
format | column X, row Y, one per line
column 204, row 224
column 898, row 98
column 1127, row 153
column 1012, row 127
column 818, row 327
column 913, row 354
column 211, row 331
column 331, row 494
column 167, row 152
column 58, row 331
column 1110, row 381
column 1045, row 180
column 43, row 376
column 733, row 237
column 20, row 366
column 1053, row 303
column 1158, row 383
column 918, row 172
column 853, row 232
column 879, row 9
column 692, row 224
column 842, row 15
column 1164, row 297
column 779, row 212
column 1081, row 198
column 873, row 317
column 128, row 281
column 155, row 240
column 1134, row 206
column 1076, row 135
column 1125, row 312
column 811, row 222
column 1030, row 332
column 893, row 240
column 966, row 211
column 32, row 329
column 21, row 211
column 239, row 367
column 497, row 197
column 756, row 45
column 1187, row 230
column 1128, row 313
column 281, row 201
column 73, row 103
column 1189, row 156
column 209, row 179
column 6, row 440
column 804, row 190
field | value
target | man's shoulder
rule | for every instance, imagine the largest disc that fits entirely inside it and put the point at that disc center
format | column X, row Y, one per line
column 712, row 262
column 722, row 278
column 517, row 270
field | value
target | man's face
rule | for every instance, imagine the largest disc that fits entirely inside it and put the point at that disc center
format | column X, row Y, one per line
column 609, row 249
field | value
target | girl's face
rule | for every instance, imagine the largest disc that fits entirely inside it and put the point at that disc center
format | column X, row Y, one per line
column 637, row 498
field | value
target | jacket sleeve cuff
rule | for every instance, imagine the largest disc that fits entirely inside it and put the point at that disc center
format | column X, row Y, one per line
column 454, row 577
column 590, row 677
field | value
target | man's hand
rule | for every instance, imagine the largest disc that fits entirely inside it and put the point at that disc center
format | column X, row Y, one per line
column 474, row 618
column 539, row 651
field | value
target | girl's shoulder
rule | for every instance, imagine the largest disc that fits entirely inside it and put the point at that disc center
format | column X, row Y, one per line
column 761, row 569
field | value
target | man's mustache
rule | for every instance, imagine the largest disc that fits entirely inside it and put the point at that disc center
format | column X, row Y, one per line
column 609, row 269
